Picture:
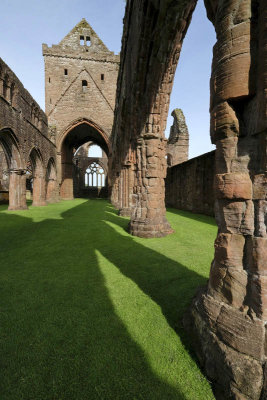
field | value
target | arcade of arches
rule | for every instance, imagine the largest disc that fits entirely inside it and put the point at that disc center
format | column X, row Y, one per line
column 228, row 318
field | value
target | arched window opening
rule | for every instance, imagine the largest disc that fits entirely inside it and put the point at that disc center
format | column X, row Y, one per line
column 29, row 180
column 82, row 40
column 4, row 175
column 95, row 151
column 5, row 87
column 12, row 185
column 84, row 83
column 95, row 176
column 36, row 116
column 12, row 90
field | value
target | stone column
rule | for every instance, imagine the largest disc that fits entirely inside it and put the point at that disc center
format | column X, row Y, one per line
column 114, row 198
column 17, row 189
column 228, row 319
column 148, row 214
column 66, row 189
column 38, row 195
column 126, row 190
column 52, row 191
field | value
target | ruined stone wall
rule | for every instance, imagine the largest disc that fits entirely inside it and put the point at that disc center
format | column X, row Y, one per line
column 70, row 63
column 189, row 185
column 22, row 117
column 178, row 141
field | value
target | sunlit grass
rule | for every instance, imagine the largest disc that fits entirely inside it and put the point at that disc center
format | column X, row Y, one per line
column 90, row 312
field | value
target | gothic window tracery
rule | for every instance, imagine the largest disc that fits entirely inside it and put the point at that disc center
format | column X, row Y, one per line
column 95, row 175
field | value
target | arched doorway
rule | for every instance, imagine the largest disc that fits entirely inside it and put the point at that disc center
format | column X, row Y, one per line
column 79, row 133
column 13, row 175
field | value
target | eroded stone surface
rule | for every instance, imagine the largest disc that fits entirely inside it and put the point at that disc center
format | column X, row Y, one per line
column 228, row 320
column 178, row 141
column 143, row 96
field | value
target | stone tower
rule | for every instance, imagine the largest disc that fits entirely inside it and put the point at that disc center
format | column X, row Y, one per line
column 178, row 142
column 80, row 87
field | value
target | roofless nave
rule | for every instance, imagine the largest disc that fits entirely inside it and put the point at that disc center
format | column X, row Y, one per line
column 228, row 318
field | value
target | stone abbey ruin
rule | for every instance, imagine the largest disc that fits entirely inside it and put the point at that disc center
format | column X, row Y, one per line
column 121, row 104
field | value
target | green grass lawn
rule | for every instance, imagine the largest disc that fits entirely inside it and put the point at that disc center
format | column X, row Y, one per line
column 89, row 312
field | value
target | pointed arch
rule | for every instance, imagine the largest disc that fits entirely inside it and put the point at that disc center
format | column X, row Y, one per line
column 15, row 170
column 10, row 145
column 104, row 140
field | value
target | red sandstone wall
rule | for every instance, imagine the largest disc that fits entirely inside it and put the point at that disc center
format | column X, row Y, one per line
column 65, row 98
column 21, row 114
column 189, row 185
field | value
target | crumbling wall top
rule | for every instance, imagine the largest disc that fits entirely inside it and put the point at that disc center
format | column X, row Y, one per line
column 179, row 127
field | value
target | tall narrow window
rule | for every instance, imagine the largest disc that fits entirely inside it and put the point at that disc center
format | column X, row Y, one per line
column 65, row 71
column 102, row 77
column 12, row 89
column 5, row 87
column 82, row 40
column 49, row 80
column 88, row 41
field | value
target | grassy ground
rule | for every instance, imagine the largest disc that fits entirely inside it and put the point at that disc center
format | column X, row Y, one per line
column 90, row 312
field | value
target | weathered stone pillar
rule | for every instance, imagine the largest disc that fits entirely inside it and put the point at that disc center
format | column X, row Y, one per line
column 150, row 48
column 52, row 191
column 178, row 141
column 38, row 194
column 66, row 189
column 148, row 214
column 17, row 189
column 126, row 187
column 114, row 198
column 229, row 317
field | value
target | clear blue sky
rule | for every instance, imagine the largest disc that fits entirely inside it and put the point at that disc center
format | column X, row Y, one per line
column 26, row 24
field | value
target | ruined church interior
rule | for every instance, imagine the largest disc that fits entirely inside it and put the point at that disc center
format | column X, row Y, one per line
column 89, row 251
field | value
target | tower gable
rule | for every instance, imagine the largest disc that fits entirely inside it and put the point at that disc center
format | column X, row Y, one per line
column 82, row 37
column 81, row 41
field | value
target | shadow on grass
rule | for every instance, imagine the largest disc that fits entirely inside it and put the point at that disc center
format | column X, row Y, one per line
column 61, row 336
column 197, row 217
